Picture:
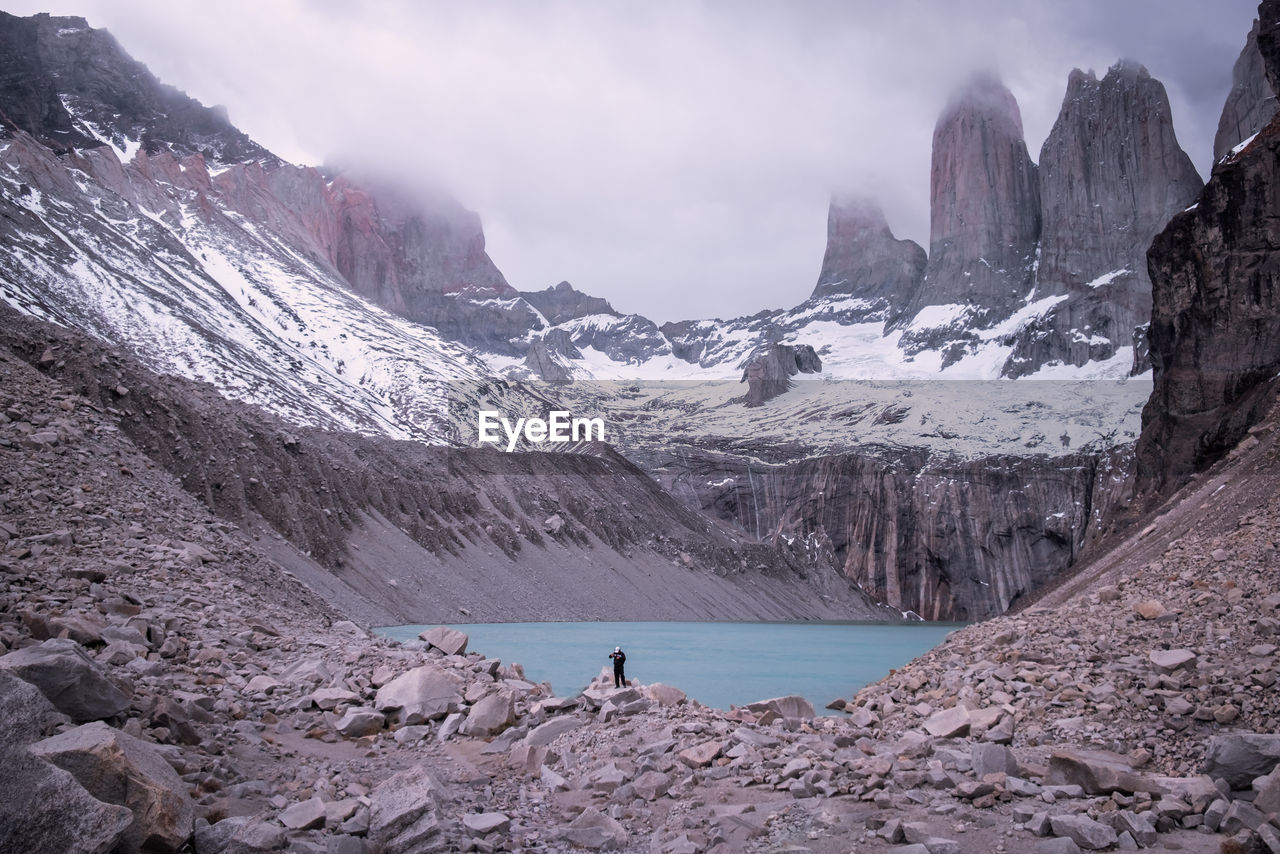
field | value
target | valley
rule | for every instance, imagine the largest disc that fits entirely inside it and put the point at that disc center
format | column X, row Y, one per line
column 238, row 425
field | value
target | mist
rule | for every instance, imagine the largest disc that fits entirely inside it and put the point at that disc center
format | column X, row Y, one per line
column 676, row 158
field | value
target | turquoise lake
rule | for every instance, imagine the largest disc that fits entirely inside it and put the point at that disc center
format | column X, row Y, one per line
column 718, row 664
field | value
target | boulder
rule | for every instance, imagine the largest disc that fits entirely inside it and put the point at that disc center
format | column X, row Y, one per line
column 791, row 706
column 606, row 778
column 993, row 759
column 1267, row 792
column 1137, row 826
column 119, row 769
column 403, row 811
column 1083, row 831
column 72, row 681
column 27, row 714
column 665, row 695
column 701, row 755
column 357, row 723
column 307, row 671
column 43, row 808
column 255, row 836
column 1098, row 772
column 330, row 698
column 1169, row 660
column 447, row 640
column 753, row 737
column 422, row 694
column 548, row 732
column 652, row 785
column 307, row 815
column 595, row 830
column 1240, row 757
column 948, row 723
column 484, row 823
column 491, row 715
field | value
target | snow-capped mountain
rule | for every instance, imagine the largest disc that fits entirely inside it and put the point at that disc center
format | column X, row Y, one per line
column 132, row 212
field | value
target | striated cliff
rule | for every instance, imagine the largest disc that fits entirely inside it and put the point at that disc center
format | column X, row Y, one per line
column 945, row 538
column 1215, row 325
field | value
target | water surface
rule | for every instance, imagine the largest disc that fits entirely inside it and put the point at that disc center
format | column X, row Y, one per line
column 719, row 664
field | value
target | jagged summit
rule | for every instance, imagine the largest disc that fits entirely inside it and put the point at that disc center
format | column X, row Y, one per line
column 863, row 259
column 563, row 302
column 1251, row 102
column 72, row 86
column 1111, row 175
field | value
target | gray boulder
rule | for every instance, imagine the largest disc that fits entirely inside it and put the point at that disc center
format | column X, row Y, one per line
column 357, row 723
column 791, row 706
column 447, row 640
column 43, row 808
column 27, row 714
column 422, row 694
column 404, row 812
column 993, row 758
column 1098, row 772
column 119, row 769
column 548, row 732
column 1084, row 831
column 494, row 713
column 595, row 830
column 72, row 681
column 1240, row 757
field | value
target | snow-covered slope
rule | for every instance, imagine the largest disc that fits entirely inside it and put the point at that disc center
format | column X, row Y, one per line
column 151, row 255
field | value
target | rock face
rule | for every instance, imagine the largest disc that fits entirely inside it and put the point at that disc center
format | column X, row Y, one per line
column 943, row 539
column 563, row 303
column 107, row 97
column 1251, row 103
column 1111, row 176
column 864, row 260
column 984, row 204
column 73, row 88
column 1215, row 325
column 768, row 373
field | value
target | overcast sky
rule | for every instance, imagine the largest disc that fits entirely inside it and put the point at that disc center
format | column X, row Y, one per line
column 674, row 157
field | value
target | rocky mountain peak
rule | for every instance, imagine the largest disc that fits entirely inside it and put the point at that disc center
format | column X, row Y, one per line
column 563, row 302
column 1215, row 329
column 1111, row 175
column 73, row 87
column 1251, row 102
column 863, row 259
column 984, row 203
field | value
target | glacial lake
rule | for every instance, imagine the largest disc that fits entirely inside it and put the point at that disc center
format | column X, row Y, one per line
column 718, row 664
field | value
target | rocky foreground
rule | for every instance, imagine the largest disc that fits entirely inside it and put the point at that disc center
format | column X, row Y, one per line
column 165, row 687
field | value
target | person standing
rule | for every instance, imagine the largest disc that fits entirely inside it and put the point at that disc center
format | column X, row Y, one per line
column 619, row 659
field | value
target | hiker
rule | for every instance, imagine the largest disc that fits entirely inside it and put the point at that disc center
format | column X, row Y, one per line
column 619, row 658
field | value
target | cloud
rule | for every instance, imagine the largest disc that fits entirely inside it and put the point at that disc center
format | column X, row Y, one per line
column 675, row 157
